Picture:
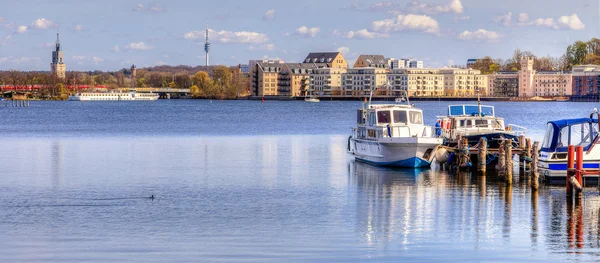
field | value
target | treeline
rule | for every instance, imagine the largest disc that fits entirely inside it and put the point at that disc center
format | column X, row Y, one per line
column 579, row 53
column 218, row 82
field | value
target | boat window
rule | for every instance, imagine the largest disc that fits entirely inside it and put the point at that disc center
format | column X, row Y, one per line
column 416, row 117
column 372, row 119
column 359, row 117
column 481, row 123
column 400, row 116
column 548, row 136
column 581, row 134
column 563, row 138
column 383, row 117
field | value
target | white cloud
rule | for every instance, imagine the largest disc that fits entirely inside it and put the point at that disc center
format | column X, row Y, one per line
column 265, row 47
column 229, row 37
column 138, row 46
column 116, row 48
column 269, row 15
column 505, row 19
column 4, row 41
column 143, row 8
column 79, row 28
column 571, row 22
column 43, row 23
column 343, row 50
column 480, row 35
column 455, row 6
column 47, row 45
column 304, row 31
column 21, row 29
column 363, row 34
column 78, row 59
column 407, row 22
column 160, row 63
column 1, row 20
column 18, row 60
column 97, row 60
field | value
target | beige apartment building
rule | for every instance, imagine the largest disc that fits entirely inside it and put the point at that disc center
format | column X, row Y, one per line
column 424, row 82
column 294, row 78
column 371, row 61
column 464, row 82
column 358, row 82
column 265, row 78
column 327, row 60
column 327, row 81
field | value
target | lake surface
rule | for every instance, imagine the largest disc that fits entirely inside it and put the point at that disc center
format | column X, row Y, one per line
column 245, row 181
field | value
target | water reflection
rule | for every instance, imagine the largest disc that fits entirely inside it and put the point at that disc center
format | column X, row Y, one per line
column 415, row 208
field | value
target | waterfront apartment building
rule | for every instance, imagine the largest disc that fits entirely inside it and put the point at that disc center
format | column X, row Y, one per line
column 464, row 82
column 264, row 78
column 503, row 84
column 371, row 61
column 404, row 63
column 417, row 82
column 327, row 81
column 327, row 60
column 530, row 82
column 586, row 82
column 293, row 79
column 358, row 82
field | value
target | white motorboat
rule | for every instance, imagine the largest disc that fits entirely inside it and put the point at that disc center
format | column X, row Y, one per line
column 393, row 135
column 129, row 96
column 473, row 122
column 554, row 149
column 312, row 99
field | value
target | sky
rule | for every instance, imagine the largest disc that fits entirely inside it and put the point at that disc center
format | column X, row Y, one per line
column 113, row 34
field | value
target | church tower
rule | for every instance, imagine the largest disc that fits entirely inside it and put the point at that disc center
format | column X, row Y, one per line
column 58, row 66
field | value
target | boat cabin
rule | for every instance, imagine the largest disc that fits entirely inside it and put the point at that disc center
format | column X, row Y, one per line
column 560, row 134
column 391, row 121
column 467, row 120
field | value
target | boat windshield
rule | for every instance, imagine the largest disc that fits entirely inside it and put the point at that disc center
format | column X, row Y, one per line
column 400, row 116
column 461, row 110
column 547, row 142
column 383, row 117
column 577, row 133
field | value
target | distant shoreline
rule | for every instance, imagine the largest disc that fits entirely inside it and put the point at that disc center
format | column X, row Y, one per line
column 278, row 98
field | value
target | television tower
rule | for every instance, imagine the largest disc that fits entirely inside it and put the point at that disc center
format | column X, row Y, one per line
column 207, row 45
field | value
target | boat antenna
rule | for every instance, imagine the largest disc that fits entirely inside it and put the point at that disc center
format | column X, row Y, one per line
column 370, row 97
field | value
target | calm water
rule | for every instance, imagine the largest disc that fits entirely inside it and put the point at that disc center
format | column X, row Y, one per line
column 245, row 181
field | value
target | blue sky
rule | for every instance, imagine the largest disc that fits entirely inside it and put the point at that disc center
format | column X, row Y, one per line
column 109, row 35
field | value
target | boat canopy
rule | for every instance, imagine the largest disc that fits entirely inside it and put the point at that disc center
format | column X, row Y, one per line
column 562, row 133
column 470, row 110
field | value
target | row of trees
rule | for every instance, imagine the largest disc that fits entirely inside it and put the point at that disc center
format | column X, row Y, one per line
column 219, row 82
column 578, row 53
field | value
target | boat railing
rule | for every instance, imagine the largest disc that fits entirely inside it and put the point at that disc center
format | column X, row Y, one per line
column 518, row 130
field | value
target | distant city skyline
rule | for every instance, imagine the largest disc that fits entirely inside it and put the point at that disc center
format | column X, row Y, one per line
column 111, row 35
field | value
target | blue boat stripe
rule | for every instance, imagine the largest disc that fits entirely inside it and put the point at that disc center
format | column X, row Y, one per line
column 563, row 166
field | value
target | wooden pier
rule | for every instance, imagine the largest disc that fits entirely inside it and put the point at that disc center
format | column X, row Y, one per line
column 502, row 159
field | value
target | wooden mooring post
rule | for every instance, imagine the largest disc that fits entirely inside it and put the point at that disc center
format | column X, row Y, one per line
column 535, row 176
column 482, row 157
column 501, row 159
column 508, row 169
column 528, row 154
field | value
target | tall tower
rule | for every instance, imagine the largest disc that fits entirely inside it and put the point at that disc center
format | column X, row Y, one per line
column 207, row 46
column 58, row 66
column 133, row 76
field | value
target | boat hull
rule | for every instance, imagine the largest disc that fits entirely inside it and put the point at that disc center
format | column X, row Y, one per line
column 407, row 152
column 555, row 171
